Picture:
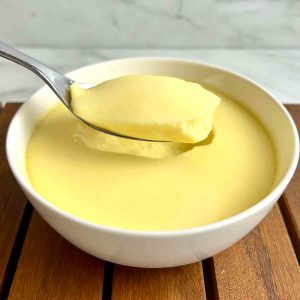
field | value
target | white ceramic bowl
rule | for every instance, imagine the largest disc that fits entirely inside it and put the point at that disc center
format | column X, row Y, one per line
column 160, row 248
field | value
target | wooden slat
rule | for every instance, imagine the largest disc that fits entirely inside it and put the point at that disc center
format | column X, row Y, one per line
column 294, row 110
column 261, row 266
column 291, row 198
column 12, row 201
column 51, row 268
column 173, row 283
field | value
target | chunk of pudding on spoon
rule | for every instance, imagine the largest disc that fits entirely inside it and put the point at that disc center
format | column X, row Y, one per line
column 154, row 108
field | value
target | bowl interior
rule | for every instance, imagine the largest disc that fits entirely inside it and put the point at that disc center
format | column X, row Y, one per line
column 265, row 108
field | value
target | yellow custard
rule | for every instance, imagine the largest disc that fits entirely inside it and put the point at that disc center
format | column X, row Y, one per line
column 208, row 183
column 151, row 107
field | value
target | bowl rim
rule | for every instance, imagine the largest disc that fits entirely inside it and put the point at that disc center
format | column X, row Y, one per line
column 267, row 200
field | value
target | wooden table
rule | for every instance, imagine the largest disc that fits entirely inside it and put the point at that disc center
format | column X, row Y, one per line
column 37, row 263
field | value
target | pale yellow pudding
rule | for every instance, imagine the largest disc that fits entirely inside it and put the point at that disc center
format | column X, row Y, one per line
column 148, row 106
column 231, row 172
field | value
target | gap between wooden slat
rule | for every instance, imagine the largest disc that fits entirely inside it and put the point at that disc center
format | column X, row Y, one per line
column 209, row 279
column 108, row 280
column 290, row 226
column 16, row 251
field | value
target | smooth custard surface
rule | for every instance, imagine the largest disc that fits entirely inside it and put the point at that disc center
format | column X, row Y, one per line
column 209, row 183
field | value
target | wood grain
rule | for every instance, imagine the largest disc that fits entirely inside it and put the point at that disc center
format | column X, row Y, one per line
column 12, row 201
column 52, row 268
column 173, row 283
column 261, row 266
column 290, row 202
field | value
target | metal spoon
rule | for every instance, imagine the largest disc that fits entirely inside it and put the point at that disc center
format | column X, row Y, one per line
column 59, row 83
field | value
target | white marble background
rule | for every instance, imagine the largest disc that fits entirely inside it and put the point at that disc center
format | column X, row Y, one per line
column 257, row 38
column 151, row 23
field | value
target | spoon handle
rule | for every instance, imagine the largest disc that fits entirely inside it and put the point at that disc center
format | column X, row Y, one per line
column 55, row 80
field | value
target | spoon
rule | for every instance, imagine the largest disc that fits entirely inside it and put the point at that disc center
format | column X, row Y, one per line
column 59, row 83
